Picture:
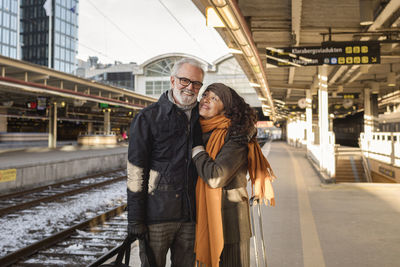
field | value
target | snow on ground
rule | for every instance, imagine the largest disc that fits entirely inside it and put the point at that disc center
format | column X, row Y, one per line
column 21, row 229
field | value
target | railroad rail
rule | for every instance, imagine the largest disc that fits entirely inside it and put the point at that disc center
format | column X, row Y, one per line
column 25, row 199
column 79, row 245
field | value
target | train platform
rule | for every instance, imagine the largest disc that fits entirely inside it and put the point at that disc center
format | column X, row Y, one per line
column 317, row 225
column 25, row 167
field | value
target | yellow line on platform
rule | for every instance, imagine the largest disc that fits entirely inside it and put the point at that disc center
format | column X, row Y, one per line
column 312, row 251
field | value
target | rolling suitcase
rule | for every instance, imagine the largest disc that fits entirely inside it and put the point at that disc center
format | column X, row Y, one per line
column 256, row 204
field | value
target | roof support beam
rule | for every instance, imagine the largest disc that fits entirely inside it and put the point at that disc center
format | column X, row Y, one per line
column 296, row 19
column 337, row 74
column 296, row 26
column 386, row 13
column 290, row 81
column 390, row 8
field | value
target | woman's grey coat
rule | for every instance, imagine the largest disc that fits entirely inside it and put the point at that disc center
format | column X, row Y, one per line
column 228, row 171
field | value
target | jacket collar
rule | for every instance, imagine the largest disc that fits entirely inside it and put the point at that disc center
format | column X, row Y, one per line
column 167, row 106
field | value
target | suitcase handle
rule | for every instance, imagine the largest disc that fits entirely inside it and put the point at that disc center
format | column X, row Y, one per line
column 255, row 201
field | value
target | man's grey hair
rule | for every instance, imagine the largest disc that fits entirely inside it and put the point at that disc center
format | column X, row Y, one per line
column 189, row 61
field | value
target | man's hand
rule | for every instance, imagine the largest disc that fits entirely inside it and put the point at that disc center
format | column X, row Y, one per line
column 137, row 230
column 197, row 135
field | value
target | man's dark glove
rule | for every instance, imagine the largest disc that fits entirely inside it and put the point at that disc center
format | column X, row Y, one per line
column 137, row 230
column 197, row 135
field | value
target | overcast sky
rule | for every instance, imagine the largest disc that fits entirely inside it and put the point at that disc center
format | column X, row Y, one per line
column 136, row 30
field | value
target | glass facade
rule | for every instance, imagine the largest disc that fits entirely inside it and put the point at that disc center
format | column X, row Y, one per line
column 158, row 73
column 161, row 67
column 119, row 79
column 9, row 28
column 64, row 33
column 157, row 87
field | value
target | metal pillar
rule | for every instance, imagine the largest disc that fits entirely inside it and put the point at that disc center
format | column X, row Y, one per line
column 3, row 120
column 107, row 124
column 323, row 116
column 90, row 125
column 374, row 111
column 53, row 125
column 368, row 118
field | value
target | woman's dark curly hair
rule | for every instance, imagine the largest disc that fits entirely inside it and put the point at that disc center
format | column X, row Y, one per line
column 243, row 117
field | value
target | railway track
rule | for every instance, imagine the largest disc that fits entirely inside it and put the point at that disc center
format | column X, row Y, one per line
column 22, row 200
column 80, row 245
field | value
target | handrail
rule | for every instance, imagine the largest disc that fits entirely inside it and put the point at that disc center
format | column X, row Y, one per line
column 99, row 133
column 366, row 168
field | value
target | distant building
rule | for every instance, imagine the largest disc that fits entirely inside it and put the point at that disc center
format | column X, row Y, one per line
column 119, row 74
column 63, row 33
column 9, row 28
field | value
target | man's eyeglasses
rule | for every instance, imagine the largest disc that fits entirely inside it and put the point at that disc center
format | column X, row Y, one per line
column 214, row 99
column 185, row 82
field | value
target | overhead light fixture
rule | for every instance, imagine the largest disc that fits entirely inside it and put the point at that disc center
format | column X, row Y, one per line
column 253, row 61
column 219, row 3
column 266, row 107
column 256, row 69
column 276, row 50
column 241, row 39
column 212, row 18
column 279, row 101
column 235, row 51
column 366, row 12
column 230, row 19
column 283, row 60
column 391, row 79
column 8, row 104
column 255, row 85
column 374, row 87
column 230, row 14
column 247, row 50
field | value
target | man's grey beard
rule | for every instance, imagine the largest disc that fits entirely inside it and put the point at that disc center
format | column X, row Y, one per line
column 182, row 98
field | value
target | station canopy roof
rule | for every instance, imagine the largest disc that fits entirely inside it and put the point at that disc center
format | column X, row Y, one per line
column 257, row 26
column 22, row 81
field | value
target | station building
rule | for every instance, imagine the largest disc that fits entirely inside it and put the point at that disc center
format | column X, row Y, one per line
column 152, row 77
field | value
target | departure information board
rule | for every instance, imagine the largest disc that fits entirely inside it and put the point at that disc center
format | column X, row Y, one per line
column 330, row 53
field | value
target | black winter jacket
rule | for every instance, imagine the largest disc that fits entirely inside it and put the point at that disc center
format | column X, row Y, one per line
column 161, row 175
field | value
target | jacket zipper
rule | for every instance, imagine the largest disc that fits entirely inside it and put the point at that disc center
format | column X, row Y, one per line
column 188, row 158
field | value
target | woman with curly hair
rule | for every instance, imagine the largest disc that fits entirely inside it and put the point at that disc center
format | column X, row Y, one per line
column 222, row 204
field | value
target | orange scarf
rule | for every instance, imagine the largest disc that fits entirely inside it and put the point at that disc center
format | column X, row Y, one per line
column 209, row 232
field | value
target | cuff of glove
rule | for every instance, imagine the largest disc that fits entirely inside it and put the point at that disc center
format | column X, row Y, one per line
column 196, row 150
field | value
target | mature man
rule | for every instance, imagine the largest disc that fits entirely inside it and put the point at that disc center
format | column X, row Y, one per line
column 161, row 176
